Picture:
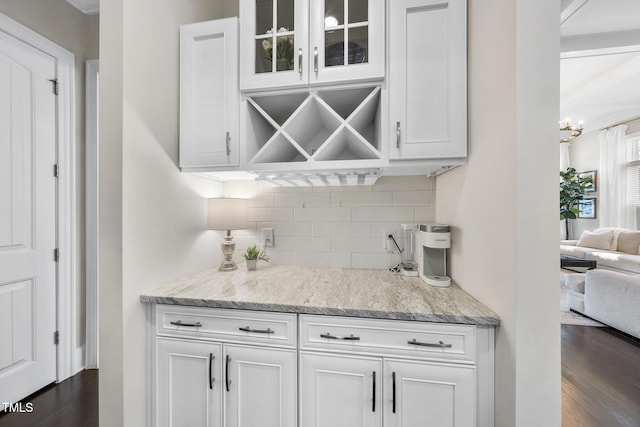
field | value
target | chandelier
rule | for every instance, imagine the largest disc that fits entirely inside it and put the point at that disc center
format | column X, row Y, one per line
column 568, row 132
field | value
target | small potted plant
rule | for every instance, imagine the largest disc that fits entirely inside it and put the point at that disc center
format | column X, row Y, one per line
column 251, row 255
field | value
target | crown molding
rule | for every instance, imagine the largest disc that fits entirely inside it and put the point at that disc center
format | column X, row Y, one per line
column 89, row 7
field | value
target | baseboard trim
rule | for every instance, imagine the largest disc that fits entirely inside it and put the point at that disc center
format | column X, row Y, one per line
column 79, row 359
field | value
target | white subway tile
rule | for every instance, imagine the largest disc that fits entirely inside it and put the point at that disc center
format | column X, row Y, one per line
column 362, row 198
column 303, row 199
column 323, row 259
column 357, row 244
column 286, row 228
column 323, row 214
column 380, row 228
column 342, row 229
column 270, row 214
column 278, row 257
column 312, row 244
column 262, row 200
column 425, row 215
column 404, row 183
column 378, row 261
column 382, row 214
column 414, row 198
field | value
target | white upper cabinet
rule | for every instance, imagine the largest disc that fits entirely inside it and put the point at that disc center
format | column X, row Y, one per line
column 427, row 79
column 209, row 97
column 316, row 42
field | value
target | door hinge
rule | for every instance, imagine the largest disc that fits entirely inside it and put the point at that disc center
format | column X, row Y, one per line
column 56, row 337
column 56, row 171
column 55, row 86
column 56, row 254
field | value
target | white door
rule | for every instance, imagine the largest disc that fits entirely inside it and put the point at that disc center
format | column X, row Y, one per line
column 27, row 219
column 340, row 391
column 427, row 79
column 189, row 384
column 420, row 393
column 260, row 387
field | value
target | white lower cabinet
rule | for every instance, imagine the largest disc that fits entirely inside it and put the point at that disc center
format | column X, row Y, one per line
column 189, row 383
column 340, row 391
column 422, row 393
column 236, row 368
column 260, row 387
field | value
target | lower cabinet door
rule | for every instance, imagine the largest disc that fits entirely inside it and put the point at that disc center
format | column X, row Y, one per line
column 421, row 393
column 260, row 387
column 189, row 384
column 340, row 391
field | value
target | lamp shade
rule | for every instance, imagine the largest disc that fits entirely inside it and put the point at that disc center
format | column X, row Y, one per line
column 227, row 214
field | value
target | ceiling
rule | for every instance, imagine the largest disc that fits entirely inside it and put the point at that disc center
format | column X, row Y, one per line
column 600, row 61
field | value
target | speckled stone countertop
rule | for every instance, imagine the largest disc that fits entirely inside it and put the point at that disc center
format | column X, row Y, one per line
column 331, row 291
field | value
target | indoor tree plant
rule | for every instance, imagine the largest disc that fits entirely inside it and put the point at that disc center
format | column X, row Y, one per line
column 572, row 188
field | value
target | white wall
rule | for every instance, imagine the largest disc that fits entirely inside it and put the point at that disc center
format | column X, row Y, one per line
column 504, row 203
column 152, row 222
column 334, row 226
column 66, row 26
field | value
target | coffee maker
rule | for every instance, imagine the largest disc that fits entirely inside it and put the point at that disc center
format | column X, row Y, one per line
column 435, row 239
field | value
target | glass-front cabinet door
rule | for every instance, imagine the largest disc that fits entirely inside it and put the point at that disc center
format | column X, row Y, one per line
column 274, row 43
column 346, row 40
column 289, row 43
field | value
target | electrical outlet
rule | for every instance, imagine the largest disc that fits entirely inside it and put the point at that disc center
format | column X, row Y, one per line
column 267, row 237
column 385, row 241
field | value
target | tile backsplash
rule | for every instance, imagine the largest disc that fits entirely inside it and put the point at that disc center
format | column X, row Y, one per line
column 333, row 226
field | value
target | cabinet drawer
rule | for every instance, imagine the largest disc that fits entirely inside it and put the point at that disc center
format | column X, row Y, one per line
column 278, row 329
column 421, row 340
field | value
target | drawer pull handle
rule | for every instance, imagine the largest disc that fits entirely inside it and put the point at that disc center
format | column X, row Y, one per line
column 257, row 331
column 226, row 372
column 393, row 384
column 373, row 408
column 211, row 379
column 335, row 337
column 439, row 344
column 189, row 325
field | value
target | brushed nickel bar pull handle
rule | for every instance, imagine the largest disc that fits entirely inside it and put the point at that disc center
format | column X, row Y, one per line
column 211, row 379
column 228, row 142
column 300, row 61
column 439, row 344
column 315, row 59
column 189, row 325
column 226, row 372
column 257, row 331
column 373, row 407
column 398, row 134
column 393, row 392
column 337, row 337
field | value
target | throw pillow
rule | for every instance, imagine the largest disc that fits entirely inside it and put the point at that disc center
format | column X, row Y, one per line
column 628, row 241
column 616, row 233
column 600, row 240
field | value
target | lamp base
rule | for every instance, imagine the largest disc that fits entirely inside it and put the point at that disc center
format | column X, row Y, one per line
column 228, row 246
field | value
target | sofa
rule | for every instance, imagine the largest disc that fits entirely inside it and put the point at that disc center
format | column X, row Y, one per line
column 615, row 249
column 608, row 296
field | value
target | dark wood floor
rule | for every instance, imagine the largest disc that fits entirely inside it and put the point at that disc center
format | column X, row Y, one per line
column 72, row 403
column 600, row 386
column 600, row 378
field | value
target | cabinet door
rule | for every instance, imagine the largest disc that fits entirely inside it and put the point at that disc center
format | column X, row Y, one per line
column 346, row 40
column 209, row 95
column 274, row 43
column 340, row 391
column 260, row 387
column 188, row 383
column 427, row 79
column 420, row 393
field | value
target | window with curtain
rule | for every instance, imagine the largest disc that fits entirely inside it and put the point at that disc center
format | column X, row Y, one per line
column 633, row 184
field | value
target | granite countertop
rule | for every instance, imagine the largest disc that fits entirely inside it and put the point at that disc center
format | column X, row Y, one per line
column 329, row 291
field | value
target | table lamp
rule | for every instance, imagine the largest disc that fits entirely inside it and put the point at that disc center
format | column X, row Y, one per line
column 227, row 214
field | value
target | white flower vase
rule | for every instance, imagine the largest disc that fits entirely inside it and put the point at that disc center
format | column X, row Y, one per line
column 251, row 264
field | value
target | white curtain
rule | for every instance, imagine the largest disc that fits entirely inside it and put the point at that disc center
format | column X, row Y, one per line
column 612, row 181
column 564, row 156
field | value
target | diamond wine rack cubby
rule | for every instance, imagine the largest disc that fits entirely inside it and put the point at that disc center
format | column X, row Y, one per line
column 313, row 130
